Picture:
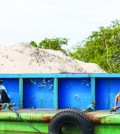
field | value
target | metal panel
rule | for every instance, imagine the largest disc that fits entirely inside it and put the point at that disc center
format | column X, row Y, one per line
column 74, row 93
column 105, row 75
column 106, row 90
column 102, row 93
column 20, row 92
column 38, row 93
column 114, row 89
column 92, row 89
column 56, row 93
column 12, row 87
column 68, row 75
column 107, row 129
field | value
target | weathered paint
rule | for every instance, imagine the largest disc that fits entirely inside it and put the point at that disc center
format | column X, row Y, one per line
column 38, row 118
column 103, row 86
column 103, row 90
column 74, row 93
column 102, row 120
column 23, row 127
column 44, row 75
column 12, row 87
column 110, row 119
column 43, row 127
column 104, row 117
column 105, row 75
column 70, row 75
column 92, row 89
column 38, row 93
column 13, row 132
column 107, row 129
column 29, row 115
column 20, row 92
column 56, row 93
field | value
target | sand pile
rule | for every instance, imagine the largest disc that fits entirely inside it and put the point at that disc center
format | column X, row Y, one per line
column 24, row 58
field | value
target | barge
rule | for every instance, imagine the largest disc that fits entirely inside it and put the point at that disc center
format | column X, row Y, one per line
column 39, row 98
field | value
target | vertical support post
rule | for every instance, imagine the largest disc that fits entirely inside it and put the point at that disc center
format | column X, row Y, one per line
column 92, row 89
column 20, row 92
column 109, row 86
column 56, row 93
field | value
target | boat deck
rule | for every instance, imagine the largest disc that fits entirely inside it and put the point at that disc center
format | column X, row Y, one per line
column 45, row 115
column 40, row 119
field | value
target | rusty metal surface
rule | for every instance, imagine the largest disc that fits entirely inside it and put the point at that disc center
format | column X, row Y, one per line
column 29, row 114
column 93, row 118
column 104, row 117
column 45, row 115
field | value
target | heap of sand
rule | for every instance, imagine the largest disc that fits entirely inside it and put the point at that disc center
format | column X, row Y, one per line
column 24, row 58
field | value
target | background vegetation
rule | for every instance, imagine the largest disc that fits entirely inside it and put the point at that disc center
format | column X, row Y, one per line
column 101, row 47
column 54, row 43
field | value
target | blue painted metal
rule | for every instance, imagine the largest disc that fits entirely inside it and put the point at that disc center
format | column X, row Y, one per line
column 44, row 75
column 99, row 75
column 101, row 95
column 92, row 89
column 114, row 89
column 38, row 93
column 12, row 87
column 105, row 75
column 56, row 93
column 106, row 90
column 20, row 92
column 62, row 90
column 74, row 93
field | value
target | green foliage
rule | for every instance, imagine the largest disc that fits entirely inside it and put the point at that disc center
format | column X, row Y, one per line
column 54, row 43
column 33, row 43
column 102, row 47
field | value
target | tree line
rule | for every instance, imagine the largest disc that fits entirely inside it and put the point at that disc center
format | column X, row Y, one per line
column 101, row 47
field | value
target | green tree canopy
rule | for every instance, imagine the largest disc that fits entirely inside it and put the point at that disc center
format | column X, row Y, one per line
column 33, row 43
column 102, row 47
column 54, row 43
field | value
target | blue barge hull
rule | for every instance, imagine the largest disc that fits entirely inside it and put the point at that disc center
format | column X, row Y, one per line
column 60, row 91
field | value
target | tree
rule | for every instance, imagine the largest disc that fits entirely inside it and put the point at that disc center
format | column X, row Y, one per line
column 33, row 43
column 102, row 47
column 54, row 43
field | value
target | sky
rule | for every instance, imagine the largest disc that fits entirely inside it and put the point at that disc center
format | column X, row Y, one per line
column 26, row 20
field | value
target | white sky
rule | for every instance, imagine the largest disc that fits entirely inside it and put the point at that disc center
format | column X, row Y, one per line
column 26, row 20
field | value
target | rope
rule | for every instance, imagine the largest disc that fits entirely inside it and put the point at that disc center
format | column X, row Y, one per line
column 19, row 116
column 3, row 106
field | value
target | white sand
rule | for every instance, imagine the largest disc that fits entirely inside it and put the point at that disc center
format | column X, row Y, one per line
column 24, row 58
